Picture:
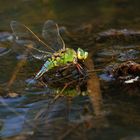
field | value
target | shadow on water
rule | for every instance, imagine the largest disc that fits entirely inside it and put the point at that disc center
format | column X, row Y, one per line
column 110, row 111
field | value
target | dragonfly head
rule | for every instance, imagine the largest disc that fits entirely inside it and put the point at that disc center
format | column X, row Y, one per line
column 81, row 54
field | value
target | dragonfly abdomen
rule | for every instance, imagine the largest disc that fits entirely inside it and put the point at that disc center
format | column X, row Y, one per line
column 45, row 68
column 51, row 63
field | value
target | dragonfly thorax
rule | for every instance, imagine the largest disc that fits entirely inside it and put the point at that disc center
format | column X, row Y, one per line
column 59, row 58
column 64, row 56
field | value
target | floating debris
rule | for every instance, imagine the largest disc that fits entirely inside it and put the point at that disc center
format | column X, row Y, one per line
column 12, row 95
column 132, row 80
column 128, row 72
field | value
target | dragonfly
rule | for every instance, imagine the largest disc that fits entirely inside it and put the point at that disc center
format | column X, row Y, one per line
column 53, row 50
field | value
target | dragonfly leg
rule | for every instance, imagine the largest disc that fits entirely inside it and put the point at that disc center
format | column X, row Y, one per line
column 79, row 67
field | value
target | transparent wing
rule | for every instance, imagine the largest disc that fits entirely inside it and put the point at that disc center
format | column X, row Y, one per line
column 30, row 42
column 52, row 36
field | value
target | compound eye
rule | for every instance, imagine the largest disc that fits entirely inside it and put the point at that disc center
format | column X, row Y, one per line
column 79, row 55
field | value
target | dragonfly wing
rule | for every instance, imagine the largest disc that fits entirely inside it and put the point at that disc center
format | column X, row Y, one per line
column 52, row 36
column 28, row 41
column 30, row 47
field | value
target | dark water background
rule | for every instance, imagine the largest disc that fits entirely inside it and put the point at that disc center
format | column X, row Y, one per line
column 29, row 114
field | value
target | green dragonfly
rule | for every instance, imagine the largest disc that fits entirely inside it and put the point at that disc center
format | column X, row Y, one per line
column 53, row 52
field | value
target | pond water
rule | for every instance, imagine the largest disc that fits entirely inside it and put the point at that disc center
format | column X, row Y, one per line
column 26, row 112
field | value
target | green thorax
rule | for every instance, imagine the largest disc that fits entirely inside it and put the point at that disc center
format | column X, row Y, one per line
column 62, row 57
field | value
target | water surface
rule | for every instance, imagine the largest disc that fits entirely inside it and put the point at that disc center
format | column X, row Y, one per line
column 28, row 115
